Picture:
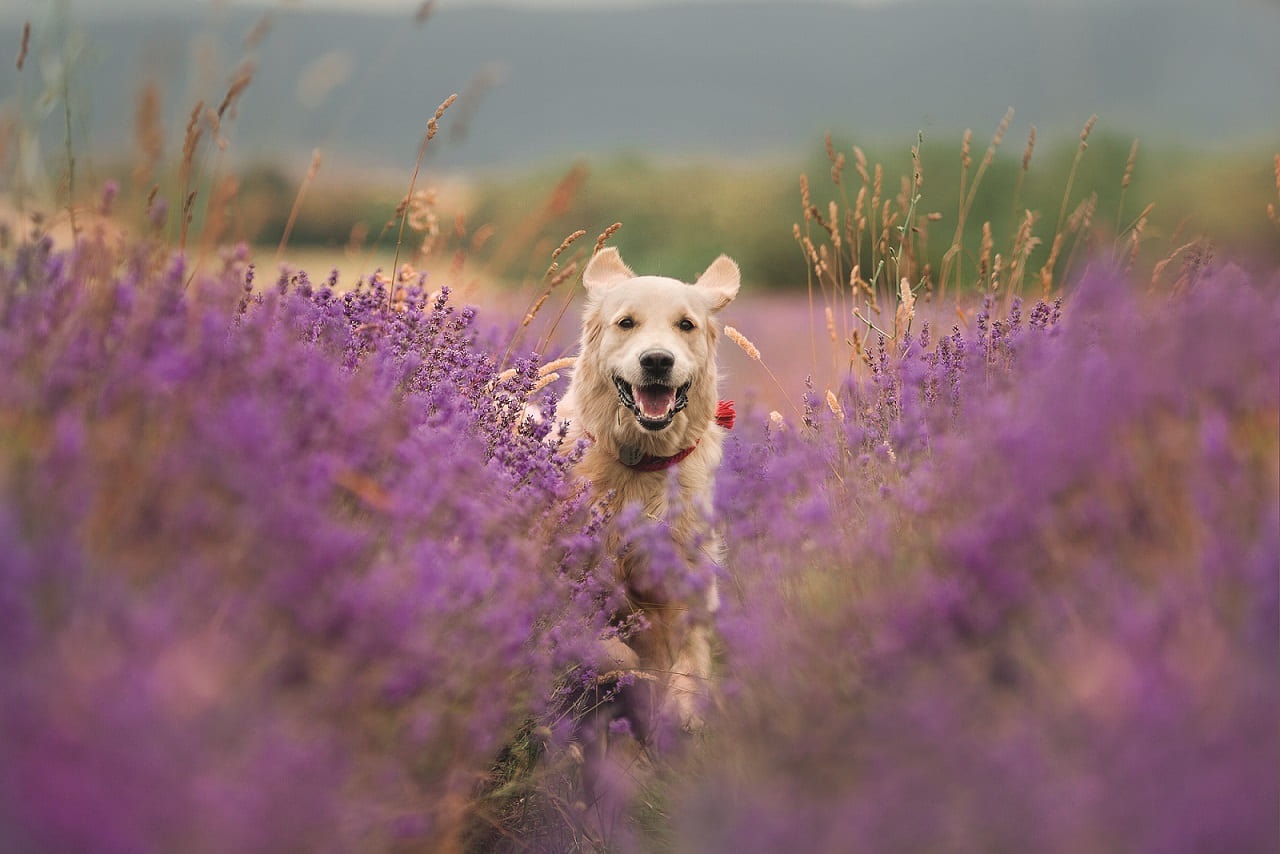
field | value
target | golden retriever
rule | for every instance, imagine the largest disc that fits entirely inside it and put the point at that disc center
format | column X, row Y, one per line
column 644, row 398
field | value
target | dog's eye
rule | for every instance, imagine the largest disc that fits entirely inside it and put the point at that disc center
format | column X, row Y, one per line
column 626, row 323
column 686, row 325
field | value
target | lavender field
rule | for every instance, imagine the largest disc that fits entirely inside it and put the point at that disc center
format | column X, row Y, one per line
column 287, row 567
column 290, row 559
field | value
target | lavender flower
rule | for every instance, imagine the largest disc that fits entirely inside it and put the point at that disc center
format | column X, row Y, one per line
column 289, row 567
column 262, row 586
column 1045, row 634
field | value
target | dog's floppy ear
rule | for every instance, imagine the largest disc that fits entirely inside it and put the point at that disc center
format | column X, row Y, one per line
column 721, row 280
column 604, row 270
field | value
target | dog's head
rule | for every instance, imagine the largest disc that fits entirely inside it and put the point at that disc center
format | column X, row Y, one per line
column 652, row 338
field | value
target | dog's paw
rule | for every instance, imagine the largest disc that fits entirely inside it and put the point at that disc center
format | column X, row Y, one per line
column 684, row 704
column 693, row 723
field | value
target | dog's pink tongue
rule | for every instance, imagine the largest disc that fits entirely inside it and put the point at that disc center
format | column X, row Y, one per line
column 655, row 400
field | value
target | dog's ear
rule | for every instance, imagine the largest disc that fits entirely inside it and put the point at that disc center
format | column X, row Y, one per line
column 604, row 270
column 721, row 280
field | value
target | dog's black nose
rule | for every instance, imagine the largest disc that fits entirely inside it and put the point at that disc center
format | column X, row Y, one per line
column 657, row 361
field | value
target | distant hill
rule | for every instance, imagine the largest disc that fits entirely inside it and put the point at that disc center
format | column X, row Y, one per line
column 732, row 80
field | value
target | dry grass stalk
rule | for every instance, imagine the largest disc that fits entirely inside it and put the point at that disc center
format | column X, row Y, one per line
column 1075, row 164
column 25, row 46
column 218, row 215
column 1126, row 179
column 1023, row 244
column 191, row 140
column 556, row 365
column 312, row 171
column 604, row 236
column 811, row 252
column 243, row 77
column 564, row 244
column 1086, row 130
column 850, row 232
column 968, row 192
column 1160, row 266
column 834, row 405
column 1135, row 237
column 860, row 163
column 753, row 353
column 356, row 239
column 1135, row 240
column 1022, row 175
column 149, row 207
column 537, row 306
column 990, row 154
column 1128, row 166
column 1082, row 217
column 1046, row 272
column 148, row 134
column 743, row 343
column 857, row 283
column 1079, row 223
column 560, row 277
column 1196, row 261
column 420, row 208
column 564, row 275
column 188, row 213
column 481, row 236
column 186, row 169
column 259, row 32
column 566, row 191
column 424, row 12
column 906, row 307
column 433, row 125
column 543, row 381
column 1142, row 216
column 984, row 254
column 857, row 352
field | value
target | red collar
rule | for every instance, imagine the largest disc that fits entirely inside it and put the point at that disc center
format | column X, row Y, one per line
column 725, row 417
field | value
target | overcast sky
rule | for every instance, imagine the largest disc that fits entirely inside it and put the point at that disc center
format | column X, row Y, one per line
column 35, row 9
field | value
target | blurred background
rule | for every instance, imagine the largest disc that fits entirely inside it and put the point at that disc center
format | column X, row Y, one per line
column 689, row 122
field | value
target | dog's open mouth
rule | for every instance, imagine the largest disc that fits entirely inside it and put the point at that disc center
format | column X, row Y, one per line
column 655, row 404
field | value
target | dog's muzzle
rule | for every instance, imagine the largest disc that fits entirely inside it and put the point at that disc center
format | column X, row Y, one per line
column 653, row 404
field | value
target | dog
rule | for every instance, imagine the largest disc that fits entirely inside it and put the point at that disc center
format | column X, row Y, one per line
column 643, row 398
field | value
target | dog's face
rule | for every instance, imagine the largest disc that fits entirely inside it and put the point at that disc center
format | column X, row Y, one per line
column 653, row 337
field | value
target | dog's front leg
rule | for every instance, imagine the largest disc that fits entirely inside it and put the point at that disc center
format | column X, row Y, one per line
column 688, row 686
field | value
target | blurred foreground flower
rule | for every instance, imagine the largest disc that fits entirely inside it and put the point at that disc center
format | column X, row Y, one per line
column 279, row 568
column 1023, row 598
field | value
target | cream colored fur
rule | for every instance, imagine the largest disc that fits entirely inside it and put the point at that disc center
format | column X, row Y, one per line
column 626, row 316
